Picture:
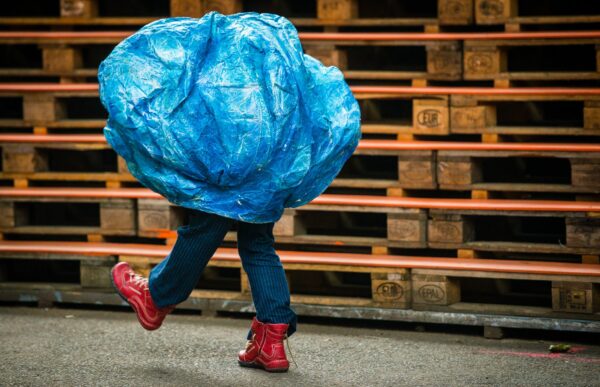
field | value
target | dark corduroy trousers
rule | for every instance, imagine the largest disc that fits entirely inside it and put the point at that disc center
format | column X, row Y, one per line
column 172, row 281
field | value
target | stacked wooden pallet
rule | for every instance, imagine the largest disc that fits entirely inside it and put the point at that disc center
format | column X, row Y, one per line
column 472, row 198
column 329, row 14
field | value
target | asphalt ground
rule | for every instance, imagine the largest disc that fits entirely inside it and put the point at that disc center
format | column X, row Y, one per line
column 78, row 347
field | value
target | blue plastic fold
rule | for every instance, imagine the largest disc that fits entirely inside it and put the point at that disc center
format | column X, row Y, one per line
column 225, row 114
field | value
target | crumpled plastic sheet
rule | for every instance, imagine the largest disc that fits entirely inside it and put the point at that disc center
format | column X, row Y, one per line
column 225, row 114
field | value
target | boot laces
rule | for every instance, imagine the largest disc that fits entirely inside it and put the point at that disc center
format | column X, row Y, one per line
column 138, row 280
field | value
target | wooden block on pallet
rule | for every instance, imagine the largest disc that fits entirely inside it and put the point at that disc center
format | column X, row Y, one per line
column 197, row 8
column 583, row 232
column 392, row 290
column 329, row 55
column 585, row 173
column 484, row 62
column 117, row 216
column 79, row 8
column 7, row 215
column 153, row 215
column 431, row 116
column 226, row 7
column 444, row 61
column 495, row 11
column 95, row 273
column 591, row 115
column 455, row 12
column 158, row 215
column 42, row 107
column 449, row 228
column 61, row 59
column 289, row 225
column 337, row 9
column 575, row 297
column 417, row 169
column 457, row 171
column 22, row 158
column 189, row 8
column 434, row 290
column 474, row 119
column 410, row 228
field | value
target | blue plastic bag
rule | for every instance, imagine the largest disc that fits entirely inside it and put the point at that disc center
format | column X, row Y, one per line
column 225, row 114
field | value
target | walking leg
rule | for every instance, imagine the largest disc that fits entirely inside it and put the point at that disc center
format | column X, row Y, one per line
column 268, row 284
column 172, row 280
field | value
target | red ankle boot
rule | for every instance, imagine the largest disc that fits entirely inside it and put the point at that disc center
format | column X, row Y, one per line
column 265, row 350
column 133, row 288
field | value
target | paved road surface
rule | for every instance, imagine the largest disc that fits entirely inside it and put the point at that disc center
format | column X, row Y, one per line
column 74, row 347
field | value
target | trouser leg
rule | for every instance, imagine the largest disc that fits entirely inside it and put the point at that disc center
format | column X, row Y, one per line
column 172, row 281
column 266, row 276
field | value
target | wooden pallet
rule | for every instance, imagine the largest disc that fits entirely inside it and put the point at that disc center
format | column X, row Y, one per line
column 373, row 62
column 439, row 291
column 211, row 303
column 93, row 218
column 507, row 12
column 517, row 171
column 485, row 115
column 328, row 13
column 435, row 110
column 442, row 229
column 362, row 56
column 333, row 225
column 62, row 162
column 480, row 111
column 534, row 59
column 484, row 169
column 77, row 126
column 352, row 220
column 570, row 232
column 449, row 285
column 50, row 109
column 62, row 55
column 482, row 116
column 52, row 269
column 394, row 166
column 319, row 284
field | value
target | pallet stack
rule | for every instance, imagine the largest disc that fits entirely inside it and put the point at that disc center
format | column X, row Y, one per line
column 473, row 198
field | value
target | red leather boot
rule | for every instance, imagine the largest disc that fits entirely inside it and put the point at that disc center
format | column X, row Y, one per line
column 265, row 350
column 133, row 288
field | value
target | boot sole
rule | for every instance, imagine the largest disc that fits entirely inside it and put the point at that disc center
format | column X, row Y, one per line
column 137, row 315
column 260, row 366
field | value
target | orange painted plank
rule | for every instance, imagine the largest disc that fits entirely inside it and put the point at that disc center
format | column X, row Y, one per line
column 395, row 36
column 513, row 91
column 389, row 90
column 328, row 199
column 72, row 192
column 47, row 87
column 364, row 144
column 472, row 146
column 53, row 35
column 331, row 36
column 458, row 204
column 228, row 254
column 53, row 138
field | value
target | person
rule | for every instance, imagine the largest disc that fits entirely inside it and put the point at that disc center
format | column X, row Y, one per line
column 226, row 116
column 174, row 278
